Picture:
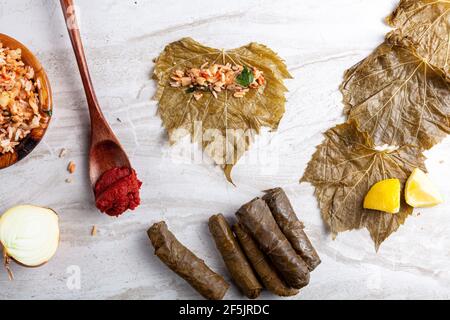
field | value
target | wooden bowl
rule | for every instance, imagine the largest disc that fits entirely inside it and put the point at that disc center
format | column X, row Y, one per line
column 46, row 105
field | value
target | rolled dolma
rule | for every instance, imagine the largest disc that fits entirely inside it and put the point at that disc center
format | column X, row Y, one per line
column 291, row 226
column 262, row 265
column 258, row 221
column 186, row 264
column 240, row 269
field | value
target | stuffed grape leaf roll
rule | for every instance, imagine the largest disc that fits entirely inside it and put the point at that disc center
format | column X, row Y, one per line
column 262, row 265
column 186, row 264
column 291, row 226
column 258, row 221
column 237, row 264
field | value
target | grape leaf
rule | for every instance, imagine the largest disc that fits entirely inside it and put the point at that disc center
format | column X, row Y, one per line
column 228, row 124
column 398, row 98
column 343, row 169
column 425, row 24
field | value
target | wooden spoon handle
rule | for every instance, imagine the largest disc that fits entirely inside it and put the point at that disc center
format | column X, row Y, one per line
column 99, row 126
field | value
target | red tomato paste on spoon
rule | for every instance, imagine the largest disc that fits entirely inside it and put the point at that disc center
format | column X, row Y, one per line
column 117, row 190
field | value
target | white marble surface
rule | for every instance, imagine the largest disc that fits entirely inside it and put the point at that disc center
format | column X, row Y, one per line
column 318, row 39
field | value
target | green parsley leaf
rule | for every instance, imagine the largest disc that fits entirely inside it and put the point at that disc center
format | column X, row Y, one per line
column 245, row 78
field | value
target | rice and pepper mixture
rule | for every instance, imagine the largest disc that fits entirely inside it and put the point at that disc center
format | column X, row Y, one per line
column 216, row 78
column 19, row 99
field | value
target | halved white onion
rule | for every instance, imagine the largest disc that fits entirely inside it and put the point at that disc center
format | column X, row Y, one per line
column 29, row 234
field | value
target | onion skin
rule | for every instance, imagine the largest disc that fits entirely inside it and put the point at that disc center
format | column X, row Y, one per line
column 49, row 236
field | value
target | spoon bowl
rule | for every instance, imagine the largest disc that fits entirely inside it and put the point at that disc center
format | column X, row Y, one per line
column 104, row 156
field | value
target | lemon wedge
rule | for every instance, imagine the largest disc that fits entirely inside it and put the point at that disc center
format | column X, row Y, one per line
column 420, row 192
column 384, row 196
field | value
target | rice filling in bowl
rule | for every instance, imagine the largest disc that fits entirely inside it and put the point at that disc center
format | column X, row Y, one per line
column 19, row 99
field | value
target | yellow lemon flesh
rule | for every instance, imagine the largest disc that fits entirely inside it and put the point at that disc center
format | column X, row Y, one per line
column 384, row 196
column 420, row 192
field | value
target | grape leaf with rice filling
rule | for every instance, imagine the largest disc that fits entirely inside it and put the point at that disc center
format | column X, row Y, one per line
column 398, row 98
column 343, row 169
column 260, row 107
column 426, row 25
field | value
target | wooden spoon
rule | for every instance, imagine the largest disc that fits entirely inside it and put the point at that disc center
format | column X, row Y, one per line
column 105, row 151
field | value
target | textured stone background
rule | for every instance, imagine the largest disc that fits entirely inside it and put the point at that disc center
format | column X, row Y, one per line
column 318, row 39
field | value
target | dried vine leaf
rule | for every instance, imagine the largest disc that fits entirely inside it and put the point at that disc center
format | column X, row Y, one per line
column 228, row 124
column 398, row 98
column 425, row 24
column 343, row 169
